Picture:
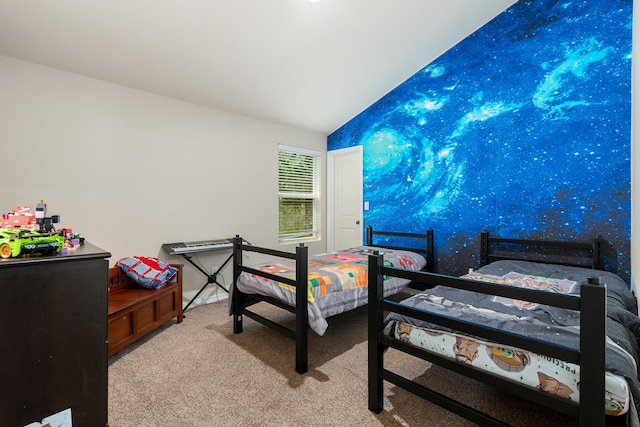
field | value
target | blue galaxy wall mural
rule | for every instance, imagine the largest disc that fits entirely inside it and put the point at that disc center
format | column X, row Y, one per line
column 523, row 129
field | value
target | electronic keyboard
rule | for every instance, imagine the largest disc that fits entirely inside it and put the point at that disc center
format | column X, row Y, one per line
column 201, row 246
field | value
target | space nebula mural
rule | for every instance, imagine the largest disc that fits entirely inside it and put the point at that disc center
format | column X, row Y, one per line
column 523, row 129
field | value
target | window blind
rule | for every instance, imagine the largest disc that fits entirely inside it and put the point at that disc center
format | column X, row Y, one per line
column 298, row 193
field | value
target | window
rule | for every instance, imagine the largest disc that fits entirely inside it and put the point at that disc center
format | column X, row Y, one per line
column 298, row 193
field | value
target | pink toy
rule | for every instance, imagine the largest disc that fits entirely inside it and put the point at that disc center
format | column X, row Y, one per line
column 21, row 217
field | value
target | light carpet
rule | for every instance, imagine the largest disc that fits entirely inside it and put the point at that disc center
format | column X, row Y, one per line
column 199, row 373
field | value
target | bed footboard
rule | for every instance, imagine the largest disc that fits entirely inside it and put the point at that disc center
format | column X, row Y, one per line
column 241, row 302
column 590, row 355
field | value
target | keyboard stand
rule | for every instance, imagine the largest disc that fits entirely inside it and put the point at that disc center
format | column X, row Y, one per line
column 211, row 278
column 186, row 249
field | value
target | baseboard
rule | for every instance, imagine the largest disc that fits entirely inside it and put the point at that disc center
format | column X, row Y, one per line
column 217, row 297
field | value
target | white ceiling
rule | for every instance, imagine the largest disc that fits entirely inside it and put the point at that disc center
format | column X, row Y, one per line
column 311, row 66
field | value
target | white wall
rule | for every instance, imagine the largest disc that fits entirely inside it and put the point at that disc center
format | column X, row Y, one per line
column 130, row 170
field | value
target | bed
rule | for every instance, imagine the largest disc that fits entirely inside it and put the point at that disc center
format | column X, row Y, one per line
column 314, row 288
column 535, row 308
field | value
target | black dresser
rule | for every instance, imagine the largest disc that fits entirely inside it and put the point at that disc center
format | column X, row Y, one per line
column 53, row 337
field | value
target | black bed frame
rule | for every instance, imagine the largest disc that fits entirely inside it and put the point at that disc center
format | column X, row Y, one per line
column 428, row 251
column 578, row 254
column 590, row 355
column 241, row 302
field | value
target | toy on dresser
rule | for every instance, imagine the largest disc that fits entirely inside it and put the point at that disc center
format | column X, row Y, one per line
column 22, row 232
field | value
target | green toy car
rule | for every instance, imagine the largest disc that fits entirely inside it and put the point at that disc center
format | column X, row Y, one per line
column 14, row 242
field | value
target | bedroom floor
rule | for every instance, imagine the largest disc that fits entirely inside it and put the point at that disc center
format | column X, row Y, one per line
column 198, row 373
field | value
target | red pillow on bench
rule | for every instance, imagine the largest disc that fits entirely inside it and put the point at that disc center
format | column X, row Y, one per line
column 147, row 272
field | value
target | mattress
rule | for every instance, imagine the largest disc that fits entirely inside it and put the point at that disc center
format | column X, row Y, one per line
column 337, row 281
column 534, row 320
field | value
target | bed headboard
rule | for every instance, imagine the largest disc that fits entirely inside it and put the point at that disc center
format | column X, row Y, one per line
column 577, row 254
column 427, row 250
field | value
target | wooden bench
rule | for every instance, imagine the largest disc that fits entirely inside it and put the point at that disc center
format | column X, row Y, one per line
column 135, row 311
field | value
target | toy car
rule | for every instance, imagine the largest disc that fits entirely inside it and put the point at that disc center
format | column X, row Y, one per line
column 14, row 242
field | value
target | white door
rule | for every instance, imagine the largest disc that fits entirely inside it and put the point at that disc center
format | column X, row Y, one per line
column 344, row 198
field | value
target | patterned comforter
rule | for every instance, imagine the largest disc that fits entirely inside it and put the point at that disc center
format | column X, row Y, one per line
column 337, row 280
